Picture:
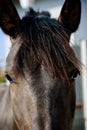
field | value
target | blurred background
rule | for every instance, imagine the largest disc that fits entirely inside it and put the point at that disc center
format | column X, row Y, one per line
column 78, row 42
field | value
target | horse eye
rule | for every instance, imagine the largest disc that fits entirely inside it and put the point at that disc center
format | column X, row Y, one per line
column 8, row 77
column 74, row 74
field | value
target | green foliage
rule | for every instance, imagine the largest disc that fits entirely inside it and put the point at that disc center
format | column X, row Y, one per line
column 2, row 79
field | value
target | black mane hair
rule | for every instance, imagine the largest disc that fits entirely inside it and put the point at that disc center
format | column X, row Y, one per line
column 45, row 42
column 33, row 13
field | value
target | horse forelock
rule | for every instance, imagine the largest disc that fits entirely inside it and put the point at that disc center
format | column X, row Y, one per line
column 45, row 41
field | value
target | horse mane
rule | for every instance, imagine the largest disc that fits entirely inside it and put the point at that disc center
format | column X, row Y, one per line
column 33, row 13
column 45, row 42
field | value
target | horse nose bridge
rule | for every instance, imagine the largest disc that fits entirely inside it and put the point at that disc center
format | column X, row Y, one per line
column 42, row 90
column 43, row 113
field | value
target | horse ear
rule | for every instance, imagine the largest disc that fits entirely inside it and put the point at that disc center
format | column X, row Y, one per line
column 70, row 14
column 9, row 18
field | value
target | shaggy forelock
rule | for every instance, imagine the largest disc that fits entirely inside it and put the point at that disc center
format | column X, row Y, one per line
column 45, row 42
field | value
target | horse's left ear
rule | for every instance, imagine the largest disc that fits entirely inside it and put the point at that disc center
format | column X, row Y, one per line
column 70, row 14
column 9, row 18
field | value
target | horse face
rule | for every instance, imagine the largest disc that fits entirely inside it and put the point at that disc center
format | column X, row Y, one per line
column 39, row 99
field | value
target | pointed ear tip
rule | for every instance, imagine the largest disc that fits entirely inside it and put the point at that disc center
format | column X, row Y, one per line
column 67, row 14
column 9, row 17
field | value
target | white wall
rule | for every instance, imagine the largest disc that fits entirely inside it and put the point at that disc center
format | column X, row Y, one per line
column 82, row 31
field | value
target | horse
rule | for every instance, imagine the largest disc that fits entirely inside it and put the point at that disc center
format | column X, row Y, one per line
column 41, row 68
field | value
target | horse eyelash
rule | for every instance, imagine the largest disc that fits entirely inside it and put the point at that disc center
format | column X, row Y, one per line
column 9, row 78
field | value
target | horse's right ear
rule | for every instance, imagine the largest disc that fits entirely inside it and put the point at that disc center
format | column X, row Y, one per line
column 9, row 18
column 70, row 14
